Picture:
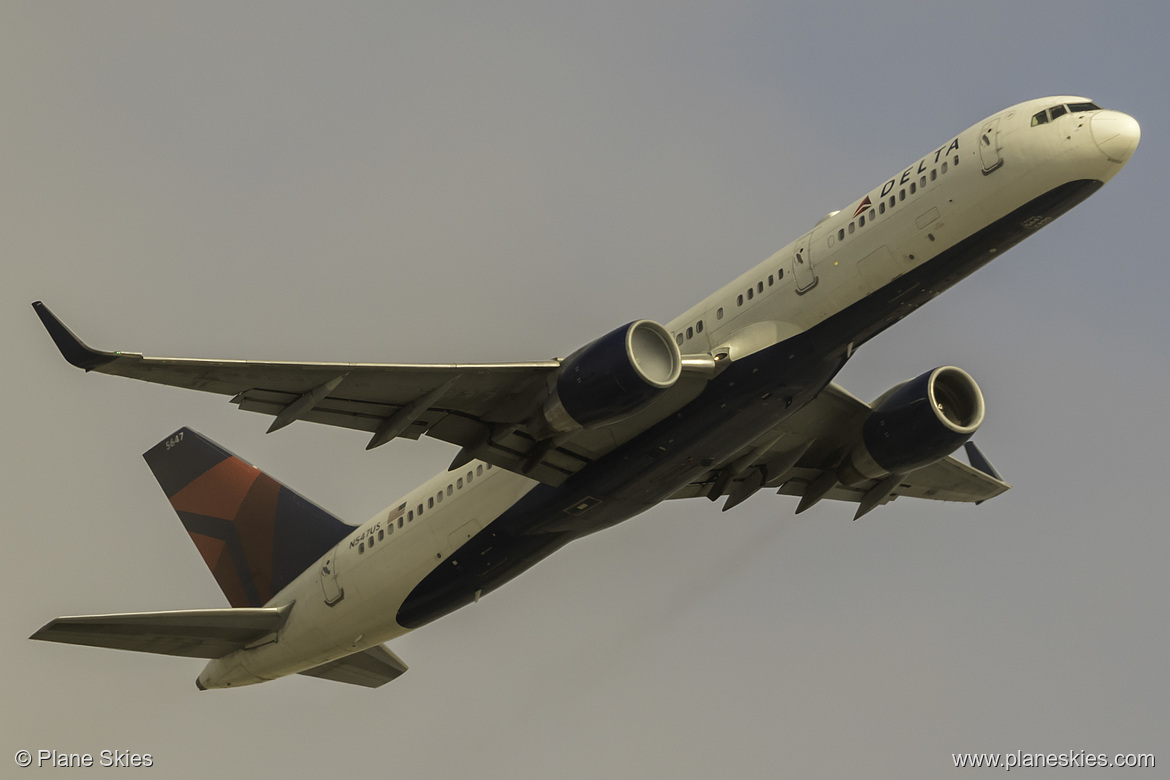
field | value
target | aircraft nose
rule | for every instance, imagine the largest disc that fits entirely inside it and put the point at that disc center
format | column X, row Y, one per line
column 1116, row 134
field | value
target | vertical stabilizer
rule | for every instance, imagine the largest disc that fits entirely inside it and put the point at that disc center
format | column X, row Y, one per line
column 254, row 533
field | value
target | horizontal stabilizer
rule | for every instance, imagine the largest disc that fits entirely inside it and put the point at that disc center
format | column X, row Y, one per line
column 370, row 668
column 195, row 633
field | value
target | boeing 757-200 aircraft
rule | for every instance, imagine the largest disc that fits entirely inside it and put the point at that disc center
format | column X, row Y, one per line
column 733, row 396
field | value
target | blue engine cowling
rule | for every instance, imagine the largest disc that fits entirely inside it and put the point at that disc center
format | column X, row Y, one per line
column 614, row 376
column 915, row 424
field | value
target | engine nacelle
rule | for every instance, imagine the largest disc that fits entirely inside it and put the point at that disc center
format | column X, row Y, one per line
column 915, row 424
column 613, row 377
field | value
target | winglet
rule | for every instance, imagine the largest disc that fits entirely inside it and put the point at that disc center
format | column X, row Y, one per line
column 72, row 348
column 979, row 461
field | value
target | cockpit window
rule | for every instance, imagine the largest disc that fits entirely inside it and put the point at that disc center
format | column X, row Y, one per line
column 1078, row 107
column 1040, row 118
column 1058, row 111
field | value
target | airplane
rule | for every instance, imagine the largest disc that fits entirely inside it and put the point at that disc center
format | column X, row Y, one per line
column 732, row 397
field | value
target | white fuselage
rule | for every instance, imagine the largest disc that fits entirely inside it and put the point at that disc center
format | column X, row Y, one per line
column 349, row 600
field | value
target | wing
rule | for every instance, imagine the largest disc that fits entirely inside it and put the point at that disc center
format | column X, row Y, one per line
column 370, row 668
column 488, row 410
column 801, row 455
column 195, row 633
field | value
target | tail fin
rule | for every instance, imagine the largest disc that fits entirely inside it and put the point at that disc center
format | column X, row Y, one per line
column 255, row 534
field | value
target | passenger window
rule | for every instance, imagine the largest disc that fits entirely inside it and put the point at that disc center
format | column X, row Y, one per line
column 901, row 194
column 382, row 536
column 749, row 293
column 882, row 207
column 420, row 510
column 933, row 174
column 431, row 502
column 690, row 333
column 893, row 201
column 739, row 300
column 699, row 326
column 861, row 221
column 956, row 159
column 479, row 470
column 944, row 166
column 719, row 313
column 759, row 286
column 679, row 339
column 922, row 182
column 409, row 517
column 852, row 227
column 841, row 234
column 913, row 188
column 871, row 215
column 449, row 490
column 469, row 477
column 362, row 546
column 771, row 280
column 439, row 497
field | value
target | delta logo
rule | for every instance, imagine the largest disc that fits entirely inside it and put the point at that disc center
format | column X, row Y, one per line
column 864, row 205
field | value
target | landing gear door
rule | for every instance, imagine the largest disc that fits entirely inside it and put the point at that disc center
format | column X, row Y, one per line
column 329, row 585
column 802, row 267
column 989, row 148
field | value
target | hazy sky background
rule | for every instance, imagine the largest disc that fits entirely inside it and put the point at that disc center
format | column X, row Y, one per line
column 506, row 181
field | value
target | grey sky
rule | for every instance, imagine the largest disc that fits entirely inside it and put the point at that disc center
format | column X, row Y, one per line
column 505, row 181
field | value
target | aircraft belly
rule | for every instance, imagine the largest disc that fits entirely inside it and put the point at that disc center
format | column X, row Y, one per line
column 750, row 396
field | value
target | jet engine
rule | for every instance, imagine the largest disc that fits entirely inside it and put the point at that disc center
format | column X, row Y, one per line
column 613, row 377
column 915, row 424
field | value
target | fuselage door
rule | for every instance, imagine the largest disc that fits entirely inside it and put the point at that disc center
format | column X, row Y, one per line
column 802, row 267
column 989, row 147
column 329, row 585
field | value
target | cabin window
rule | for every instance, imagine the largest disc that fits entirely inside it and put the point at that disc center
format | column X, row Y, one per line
column 739, row 300
column 699, row 326
column 780, row 274
column 450, row 489
column 362, row 547
column 479, row 470
column 410, row 516
column 770, row 280
column 749, row 293
column 459, row 483
column 390, row 528
column 679, row 339
column 469, row 477
column 381, row 535
column 759, row 286
column 861, row 221
column 901, row 194
column 871, row 215
column 893, row 201
column 852, row 227
column 882, row 207
column 933, row 174
column 719, row 313
column 913, row 188
column 690, row 333
column 922, row 182
column 944, row 166
column 431, row 502
column 439, row 497
column 956, row 159
column 841, row 234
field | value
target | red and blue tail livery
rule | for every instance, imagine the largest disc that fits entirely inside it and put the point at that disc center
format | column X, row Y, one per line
column 255, row 534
